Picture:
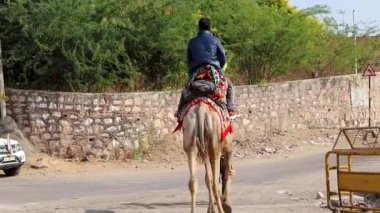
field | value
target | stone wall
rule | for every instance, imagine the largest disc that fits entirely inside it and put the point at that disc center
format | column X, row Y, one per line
column 101, row 125
column 116, row 124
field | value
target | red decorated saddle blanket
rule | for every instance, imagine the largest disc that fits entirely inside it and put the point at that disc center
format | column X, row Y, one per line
column 226, row 125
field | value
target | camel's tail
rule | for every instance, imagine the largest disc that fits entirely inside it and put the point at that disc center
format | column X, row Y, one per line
column 200, row 139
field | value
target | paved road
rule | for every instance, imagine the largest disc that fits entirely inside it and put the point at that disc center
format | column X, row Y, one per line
column 255, row 186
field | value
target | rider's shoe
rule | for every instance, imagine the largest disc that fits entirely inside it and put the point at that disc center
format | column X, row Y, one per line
column 234, row 114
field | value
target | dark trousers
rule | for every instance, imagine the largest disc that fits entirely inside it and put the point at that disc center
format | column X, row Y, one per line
column 230, row 97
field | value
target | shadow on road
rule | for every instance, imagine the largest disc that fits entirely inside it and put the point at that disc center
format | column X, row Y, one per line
column 98, row 211
column 154, row 205
column 3, row 176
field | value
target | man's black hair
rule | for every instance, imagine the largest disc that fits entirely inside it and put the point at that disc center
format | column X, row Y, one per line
column 204, row 24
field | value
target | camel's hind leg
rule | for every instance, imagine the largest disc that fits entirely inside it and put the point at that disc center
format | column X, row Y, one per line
column 193, row 182
column 208, row 180
column 227, row 173
column 215, row 164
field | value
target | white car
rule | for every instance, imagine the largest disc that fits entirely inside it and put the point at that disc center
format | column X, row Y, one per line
column 12, row 157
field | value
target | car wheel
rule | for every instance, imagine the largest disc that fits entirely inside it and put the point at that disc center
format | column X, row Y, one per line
column 12, row 172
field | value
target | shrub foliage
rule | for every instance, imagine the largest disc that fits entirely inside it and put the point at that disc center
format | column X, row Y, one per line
column 117, row 45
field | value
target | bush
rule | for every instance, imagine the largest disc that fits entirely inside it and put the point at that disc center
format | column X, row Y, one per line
column 95, row 45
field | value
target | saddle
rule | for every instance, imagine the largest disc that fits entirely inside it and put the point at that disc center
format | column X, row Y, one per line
column 209, row 86
column 207, row 81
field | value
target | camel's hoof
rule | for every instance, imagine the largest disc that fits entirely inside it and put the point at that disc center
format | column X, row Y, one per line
column 227, row 208
column 210, row 210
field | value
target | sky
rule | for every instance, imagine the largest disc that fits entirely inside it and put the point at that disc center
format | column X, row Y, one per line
column 366, row 11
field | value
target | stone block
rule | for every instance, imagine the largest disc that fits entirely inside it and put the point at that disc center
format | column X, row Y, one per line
column 87, row 122
column 129, row 153
column 53, row 144
column 112, row 128
column 69, row 107
column 157, row 124
column 117, row 102
column 105, row 155
column 26, row 130
column 42, row 105
column 136, row 109
column 98, row 108
column 115, row 108
column 87, row 149
column 96, row 153
column 21, row 98
column 105, row 135
column 56, row 114
column 46, row 136
column 137, row 101
column 52, row 106
column 39, row 123
column 108, row 121
column 38, row 99
column 128, row 102
column 87, row 108
column 97, row 128
column 74, row 151
column 45, row 115
column 78, row 107
column 98, row 144
column 246, row 122
column 120, row 154
column 118, row 119
column 87, row 101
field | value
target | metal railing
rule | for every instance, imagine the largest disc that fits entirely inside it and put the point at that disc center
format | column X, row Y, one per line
column 354, row 170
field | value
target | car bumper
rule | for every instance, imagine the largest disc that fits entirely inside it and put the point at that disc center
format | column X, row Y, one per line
column 9, row 164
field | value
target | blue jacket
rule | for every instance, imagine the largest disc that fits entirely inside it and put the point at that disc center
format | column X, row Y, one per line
column 203, row 49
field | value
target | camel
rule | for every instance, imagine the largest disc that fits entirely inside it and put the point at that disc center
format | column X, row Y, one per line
column 201, row 142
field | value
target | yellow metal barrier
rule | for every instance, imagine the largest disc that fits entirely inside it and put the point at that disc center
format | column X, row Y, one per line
column 348, row 175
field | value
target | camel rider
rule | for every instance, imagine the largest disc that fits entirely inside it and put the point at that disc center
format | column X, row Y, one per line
column 206, row 49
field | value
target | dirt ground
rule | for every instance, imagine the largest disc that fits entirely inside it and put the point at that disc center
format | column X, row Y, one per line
column 166, row 159
column 169, row 153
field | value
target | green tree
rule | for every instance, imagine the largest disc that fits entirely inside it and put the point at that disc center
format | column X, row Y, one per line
column 95, row 45
column 266, row 41
column 333, row 50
